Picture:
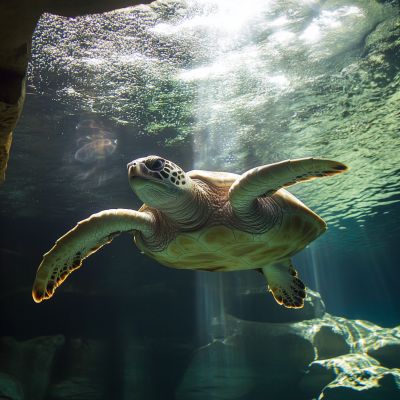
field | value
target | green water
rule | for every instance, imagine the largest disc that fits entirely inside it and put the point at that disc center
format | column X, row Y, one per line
column 213, row 85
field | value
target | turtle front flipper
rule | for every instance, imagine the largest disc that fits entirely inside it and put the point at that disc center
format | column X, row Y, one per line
column 284, row 284
column 264, row 181
column 82, row 241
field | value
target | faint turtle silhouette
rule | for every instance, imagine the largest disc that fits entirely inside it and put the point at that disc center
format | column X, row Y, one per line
column 96, row 150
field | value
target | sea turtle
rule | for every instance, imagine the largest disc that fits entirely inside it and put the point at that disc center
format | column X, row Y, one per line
column 205, row 221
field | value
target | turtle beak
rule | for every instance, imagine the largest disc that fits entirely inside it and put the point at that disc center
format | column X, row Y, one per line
column 133, row 169
column 139, row 175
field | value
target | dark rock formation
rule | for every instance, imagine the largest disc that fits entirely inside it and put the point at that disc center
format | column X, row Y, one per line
column 30, row 363
column 82, row 371
column 386, row 349
column 17, row 23
column 98, row 369
column 329, row 343
column 10, row 388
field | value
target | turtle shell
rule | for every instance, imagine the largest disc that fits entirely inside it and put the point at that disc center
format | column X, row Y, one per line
column 219, row 179
column 224, row 248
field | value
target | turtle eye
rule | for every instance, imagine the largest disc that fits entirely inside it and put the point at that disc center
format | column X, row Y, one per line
column 157, row 165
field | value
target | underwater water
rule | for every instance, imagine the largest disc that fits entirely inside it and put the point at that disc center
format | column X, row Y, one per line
column 220, row 86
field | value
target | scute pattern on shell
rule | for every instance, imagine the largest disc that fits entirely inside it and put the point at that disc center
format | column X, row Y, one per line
column 220, row 248
column 261, row 220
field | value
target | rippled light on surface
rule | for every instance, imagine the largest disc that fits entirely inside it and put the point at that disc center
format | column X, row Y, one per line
column 201, row 73
column 279, row 80
column 283, row 37
column 328, row 20
column 279, row 21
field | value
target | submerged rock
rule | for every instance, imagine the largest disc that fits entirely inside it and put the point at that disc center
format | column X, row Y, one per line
column 327, row 357
column 30, row 362
column 10, row 388
column 254, row 358
column 384, row 346
column 355, row 377
column 81, row 372
column 321, row 357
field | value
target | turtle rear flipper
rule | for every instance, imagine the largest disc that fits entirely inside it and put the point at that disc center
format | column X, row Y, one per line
column 264, row 181
column 284, row 284
column 82, row 241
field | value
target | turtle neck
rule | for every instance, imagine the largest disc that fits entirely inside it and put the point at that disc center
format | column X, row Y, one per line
column 191, row 210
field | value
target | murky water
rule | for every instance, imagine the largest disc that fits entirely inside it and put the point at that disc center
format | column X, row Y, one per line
column 213, row 85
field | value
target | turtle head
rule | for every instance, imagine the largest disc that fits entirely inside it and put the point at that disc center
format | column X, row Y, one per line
column 159, row 183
